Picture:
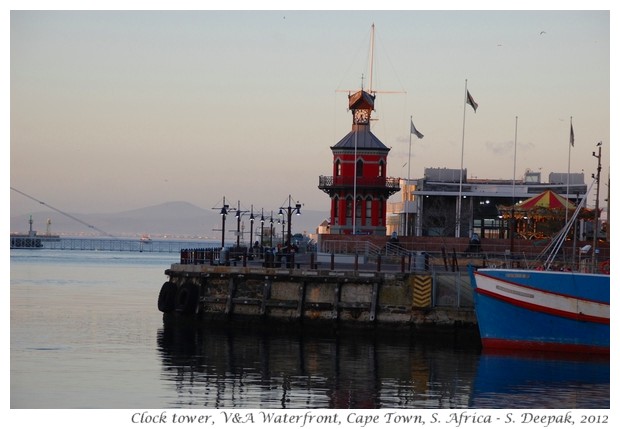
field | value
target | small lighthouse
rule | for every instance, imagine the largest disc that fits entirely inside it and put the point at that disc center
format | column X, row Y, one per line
column 359, row 187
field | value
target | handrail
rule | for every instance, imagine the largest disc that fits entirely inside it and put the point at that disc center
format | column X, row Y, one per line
column 383, row 182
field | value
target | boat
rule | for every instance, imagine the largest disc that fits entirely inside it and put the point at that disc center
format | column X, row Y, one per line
column 145, row 239
column 543, row 308
column 559, row 311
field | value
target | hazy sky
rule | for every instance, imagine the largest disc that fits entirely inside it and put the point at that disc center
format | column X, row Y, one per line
column 116, row 110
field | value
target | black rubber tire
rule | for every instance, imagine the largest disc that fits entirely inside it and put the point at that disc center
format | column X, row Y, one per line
column 186, row 299
column 167, row 298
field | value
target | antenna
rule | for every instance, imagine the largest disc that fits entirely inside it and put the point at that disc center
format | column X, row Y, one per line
column 371, row 70
column 372, row 54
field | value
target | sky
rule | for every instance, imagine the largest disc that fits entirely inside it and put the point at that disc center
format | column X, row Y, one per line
column 114, row 110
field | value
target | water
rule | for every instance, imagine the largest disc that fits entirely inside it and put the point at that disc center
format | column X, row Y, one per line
column 86, row 334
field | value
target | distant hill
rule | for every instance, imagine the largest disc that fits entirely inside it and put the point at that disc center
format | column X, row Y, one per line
column 172, row 219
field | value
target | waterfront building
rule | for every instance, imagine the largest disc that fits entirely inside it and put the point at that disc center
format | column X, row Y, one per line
column 428, row 205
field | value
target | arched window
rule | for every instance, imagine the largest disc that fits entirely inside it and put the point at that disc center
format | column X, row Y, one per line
column 360, row 168
column 381, row 168
column 349, row 210
column 368, row 210
column 338, row 168
column 336, row 210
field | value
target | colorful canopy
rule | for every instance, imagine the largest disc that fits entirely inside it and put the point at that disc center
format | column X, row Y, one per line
column 548, row 200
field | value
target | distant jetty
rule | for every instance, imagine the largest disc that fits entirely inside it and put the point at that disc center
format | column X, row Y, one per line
column 32, row 240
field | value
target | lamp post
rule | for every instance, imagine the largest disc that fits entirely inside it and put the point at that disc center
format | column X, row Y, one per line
column 223, row 213
column 283, row 222
column 238, row 216
column 289, row 210
column 252, row 226
column 271, row 231
column 262, row 224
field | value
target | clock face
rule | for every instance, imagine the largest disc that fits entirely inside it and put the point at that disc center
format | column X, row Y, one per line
column 361, row 116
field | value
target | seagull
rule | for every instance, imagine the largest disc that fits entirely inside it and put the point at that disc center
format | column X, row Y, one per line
column 542, row 32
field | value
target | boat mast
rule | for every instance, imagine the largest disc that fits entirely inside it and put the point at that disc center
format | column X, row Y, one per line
column 598, row 186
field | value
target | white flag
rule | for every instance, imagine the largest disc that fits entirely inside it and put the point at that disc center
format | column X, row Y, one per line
column 415, row 131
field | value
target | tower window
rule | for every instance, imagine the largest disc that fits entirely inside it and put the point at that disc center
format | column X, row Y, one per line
column 381, row 168
column 336, row 204
column 360, row 168
column 338, row 168
column 349, row 210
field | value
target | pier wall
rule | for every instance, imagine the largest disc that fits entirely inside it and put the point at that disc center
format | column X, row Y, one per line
column 294, row 297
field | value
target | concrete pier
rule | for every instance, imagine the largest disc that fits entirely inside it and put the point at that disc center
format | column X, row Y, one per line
column 294, row 297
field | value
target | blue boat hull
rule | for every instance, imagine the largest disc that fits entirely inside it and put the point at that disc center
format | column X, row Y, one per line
column 542, row 310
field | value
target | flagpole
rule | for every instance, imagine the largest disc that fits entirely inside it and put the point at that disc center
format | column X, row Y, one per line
column 406, row 208
column 513, row 222
column 457, row 233
column 570, row 143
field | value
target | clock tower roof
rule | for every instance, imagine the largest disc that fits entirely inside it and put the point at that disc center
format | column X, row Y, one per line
column 361, row 100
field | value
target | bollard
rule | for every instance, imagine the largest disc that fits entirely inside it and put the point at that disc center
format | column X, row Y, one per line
column 332, row 261
column 356, row 262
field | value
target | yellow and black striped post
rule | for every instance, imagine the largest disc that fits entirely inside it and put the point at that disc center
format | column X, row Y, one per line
column 422, row 290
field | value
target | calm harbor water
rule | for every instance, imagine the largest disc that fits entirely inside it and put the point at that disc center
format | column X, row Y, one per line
column 86, row 334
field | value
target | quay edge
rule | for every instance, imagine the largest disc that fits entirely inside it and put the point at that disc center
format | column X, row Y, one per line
column 289, row 298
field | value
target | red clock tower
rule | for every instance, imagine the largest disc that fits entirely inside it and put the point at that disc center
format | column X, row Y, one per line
column 359, row 188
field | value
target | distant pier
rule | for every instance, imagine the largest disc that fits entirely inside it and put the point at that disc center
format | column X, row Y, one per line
column 114, row 244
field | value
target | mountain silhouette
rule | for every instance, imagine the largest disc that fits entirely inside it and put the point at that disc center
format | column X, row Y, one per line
column 169, row 219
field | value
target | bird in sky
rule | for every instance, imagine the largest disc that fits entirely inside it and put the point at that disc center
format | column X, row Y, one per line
column 542, row 32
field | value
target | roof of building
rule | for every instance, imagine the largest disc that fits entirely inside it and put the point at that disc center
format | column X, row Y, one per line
column 361, row 100
column 361, row 138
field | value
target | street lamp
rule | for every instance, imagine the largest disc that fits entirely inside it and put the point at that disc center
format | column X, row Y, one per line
column 238, row 216
column 262, row 224
column 283, row 222
column 223, row 213
column 252, row 226
column 289, row 210
column 271, row 231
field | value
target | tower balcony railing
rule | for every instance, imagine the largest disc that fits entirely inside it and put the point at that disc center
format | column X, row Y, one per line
column 334, row 182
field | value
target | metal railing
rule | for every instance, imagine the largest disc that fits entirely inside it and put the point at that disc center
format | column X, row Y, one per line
column 361, row 182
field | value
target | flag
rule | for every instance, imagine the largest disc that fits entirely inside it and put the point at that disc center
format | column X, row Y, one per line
column 572, row 135
column 415, row 131
column 471, row 102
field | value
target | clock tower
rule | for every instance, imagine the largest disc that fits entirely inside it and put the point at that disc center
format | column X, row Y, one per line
column 359, row 187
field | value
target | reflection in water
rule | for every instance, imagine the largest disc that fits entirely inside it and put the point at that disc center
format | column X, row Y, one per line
column 239, row 369
column 218, row 368
column 525, row 380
